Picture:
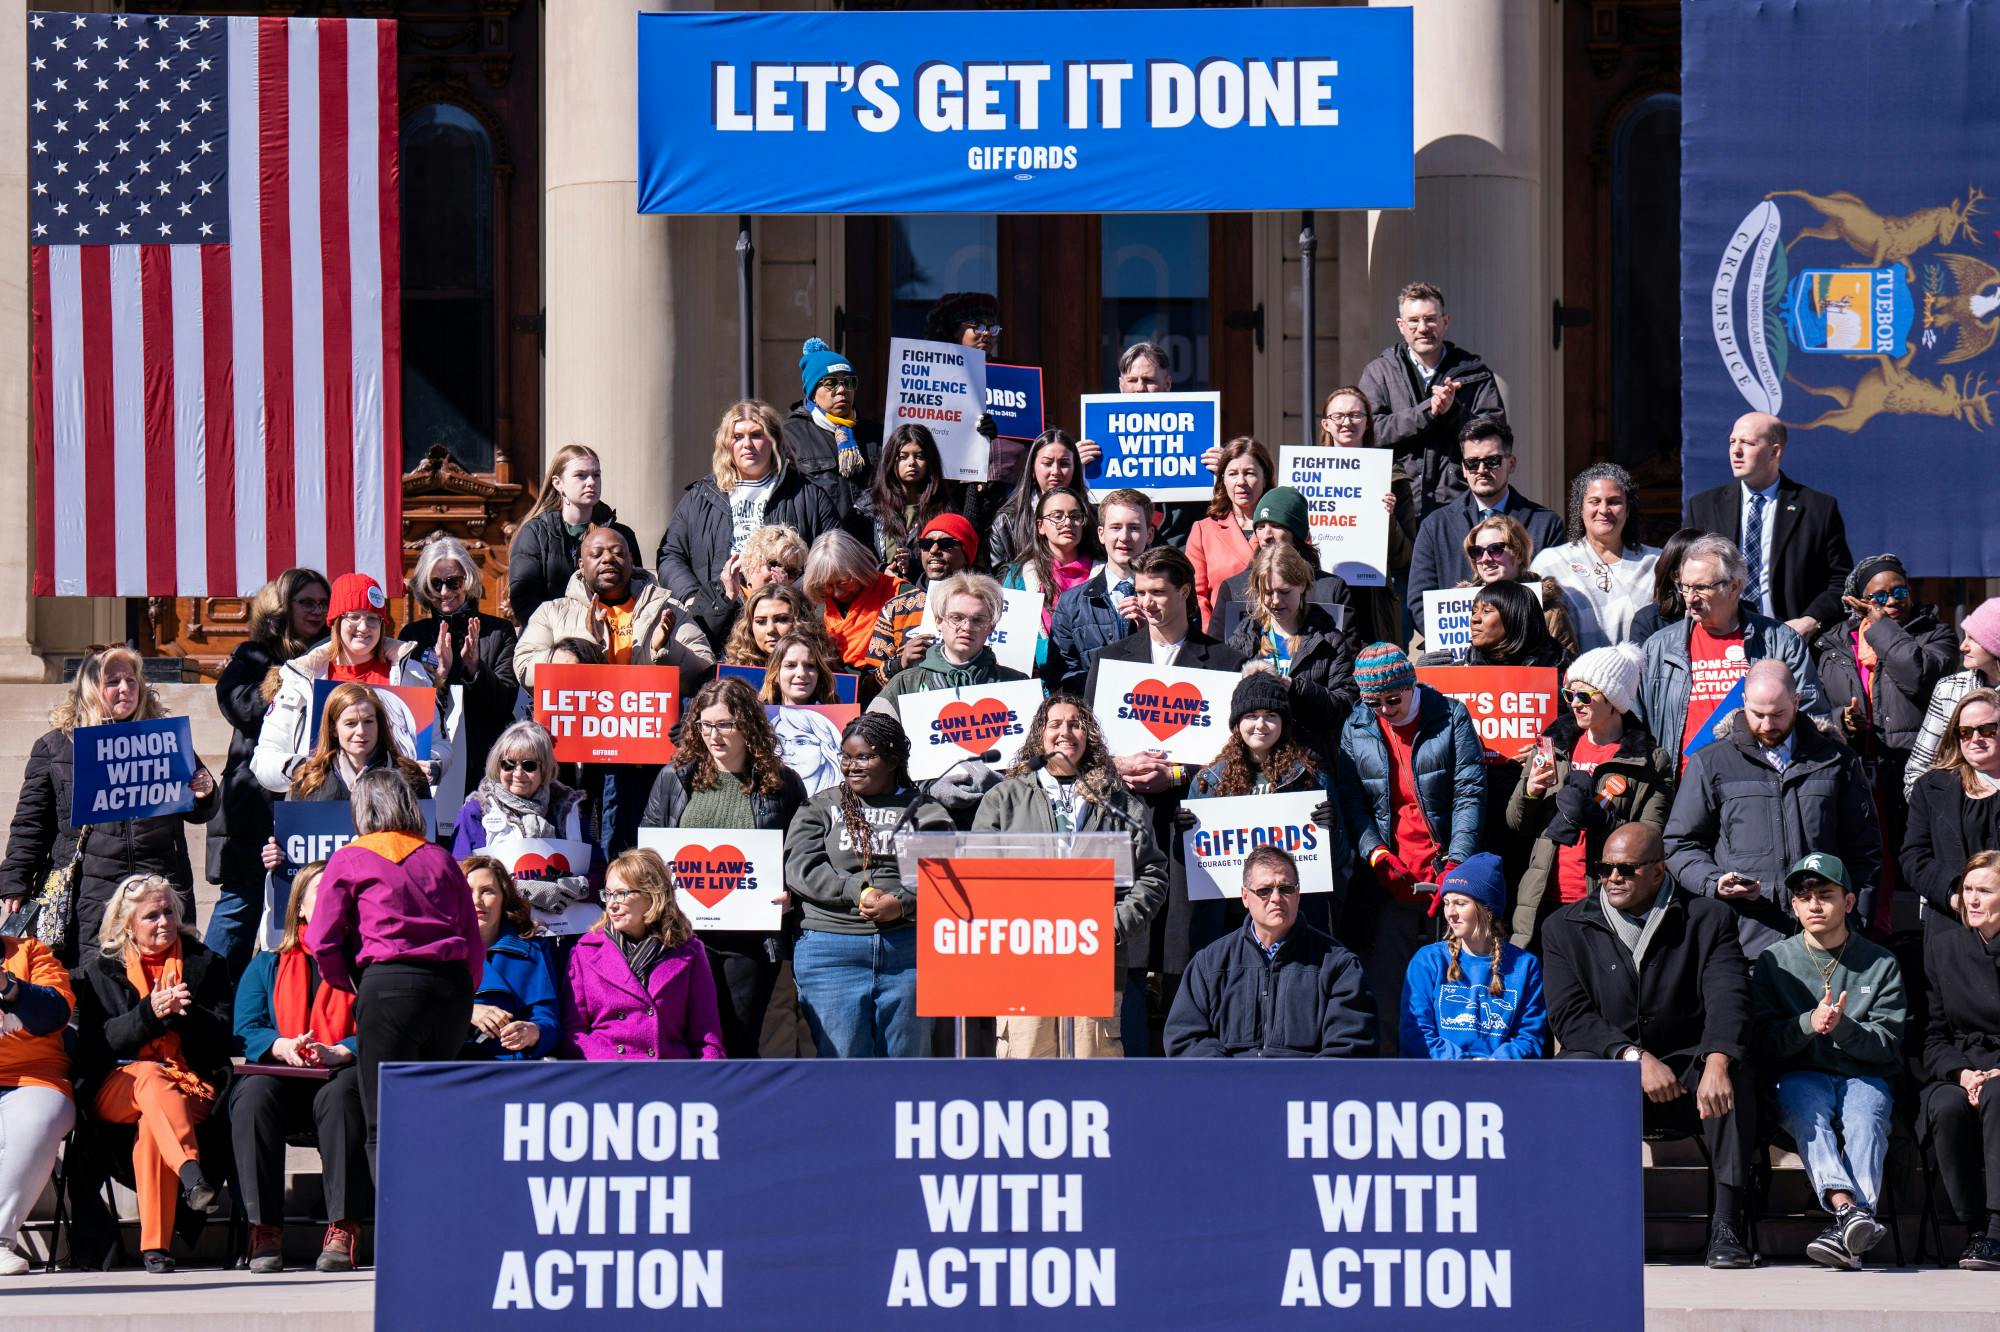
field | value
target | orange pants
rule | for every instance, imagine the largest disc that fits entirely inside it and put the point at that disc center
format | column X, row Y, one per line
column 142, row 1094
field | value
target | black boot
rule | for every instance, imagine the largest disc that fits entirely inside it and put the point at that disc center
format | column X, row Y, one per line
column 199, row 1194
column 1725, row 1248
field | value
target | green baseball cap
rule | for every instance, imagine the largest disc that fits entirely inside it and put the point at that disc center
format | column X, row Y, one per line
column 1819, row 865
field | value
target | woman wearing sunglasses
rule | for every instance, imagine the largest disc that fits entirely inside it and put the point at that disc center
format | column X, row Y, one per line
column 1979, row 654
column 1953, row 814
column 464, row 647
column 521, row 798
column 1596, row 768
column 1496, row 551
column 1604, row 570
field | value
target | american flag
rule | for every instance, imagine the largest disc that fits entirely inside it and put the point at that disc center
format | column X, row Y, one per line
column 217, row 354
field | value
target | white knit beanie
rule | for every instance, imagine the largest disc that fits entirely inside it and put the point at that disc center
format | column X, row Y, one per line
column 1613, row 671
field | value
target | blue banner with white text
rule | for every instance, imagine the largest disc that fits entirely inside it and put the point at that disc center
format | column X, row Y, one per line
column 1025, row 111
column 986, row 1194
column 1839, row 241
column 1152, row 442
column 132, row 770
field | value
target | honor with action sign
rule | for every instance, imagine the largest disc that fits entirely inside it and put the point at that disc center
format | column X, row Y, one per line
column 1344, row 489
column 132, row 770
column 1182, row 713
column 1228, row 828
column 941, row 386
column 1510, row 705
column 1152, row 442
column 538, row 860
column 608, row 714
column 724, row 878
column 948, row 726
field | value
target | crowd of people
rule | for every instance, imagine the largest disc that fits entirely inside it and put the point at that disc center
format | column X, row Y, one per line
column 1756, row 853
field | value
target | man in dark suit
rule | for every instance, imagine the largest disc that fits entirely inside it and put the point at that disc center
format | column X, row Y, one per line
column 1799, row 557
column 1163, row 585
column 1486, row 457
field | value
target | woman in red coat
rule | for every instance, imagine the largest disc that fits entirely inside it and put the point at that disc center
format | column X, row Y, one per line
column 1219, row 545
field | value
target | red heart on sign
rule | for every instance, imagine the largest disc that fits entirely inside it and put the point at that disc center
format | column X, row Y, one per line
column 974, row 727
column 538, row 867
column 709, row 874
column 1162, row 709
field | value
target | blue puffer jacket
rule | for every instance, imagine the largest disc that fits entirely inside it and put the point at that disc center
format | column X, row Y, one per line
column 1450, row 771
column 521, row 978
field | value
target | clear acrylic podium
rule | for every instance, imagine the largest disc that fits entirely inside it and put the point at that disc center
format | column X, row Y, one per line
column 1115, row 847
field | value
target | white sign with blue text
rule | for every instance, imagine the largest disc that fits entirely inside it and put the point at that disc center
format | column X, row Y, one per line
column 1343, row 490
column 941, row 386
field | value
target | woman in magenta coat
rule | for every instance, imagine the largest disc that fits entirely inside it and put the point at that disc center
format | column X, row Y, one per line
column 639, row 984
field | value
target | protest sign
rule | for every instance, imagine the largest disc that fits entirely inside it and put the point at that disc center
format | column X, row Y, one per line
column 1510, row 706
column 608, row 714
column 1153, row 443
column 310, row 830
column 1025, row 111
column 453, row 777
column 1001, row 937
column 846, row 688
column 1343, row 490
column 1448, row 616
column 948, row 726
column 411, row 709
column 1014, row 636
column 1183, row 712
column 1705, row 735
column 941, row 386
column 724, row 878
column 539, row 859
column 1014, row 399
column 132, row 770
column 1228, row 828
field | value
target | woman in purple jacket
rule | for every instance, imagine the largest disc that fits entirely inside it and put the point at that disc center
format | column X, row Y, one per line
column 639, row 983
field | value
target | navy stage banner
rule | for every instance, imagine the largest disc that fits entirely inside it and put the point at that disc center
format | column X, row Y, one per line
column 1174, row 1193
column 1025, row 111
column 1838, row 259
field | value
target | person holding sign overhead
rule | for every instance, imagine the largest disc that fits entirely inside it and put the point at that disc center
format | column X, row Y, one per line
column 1144, row 367
column 1603, row 569
column 1219, row 544
column 92, row 859
column 1412, row 783
column 856, row 959
column 639, row 985
column 728, row 773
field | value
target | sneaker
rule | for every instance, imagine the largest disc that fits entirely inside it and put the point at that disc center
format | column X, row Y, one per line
column 1982, row 1254
column 1859, row 1230
column 267, row 1249
column 336, row 1251
column 201, row 1195
column 158, row 1261
column 1829, row 1249
column 1726, row 1249
column 11, row 1261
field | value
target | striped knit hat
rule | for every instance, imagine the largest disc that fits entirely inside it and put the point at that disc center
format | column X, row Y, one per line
column 1381, row 668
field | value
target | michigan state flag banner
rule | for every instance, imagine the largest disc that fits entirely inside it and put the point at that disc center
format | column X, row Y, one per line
column 1840, row 259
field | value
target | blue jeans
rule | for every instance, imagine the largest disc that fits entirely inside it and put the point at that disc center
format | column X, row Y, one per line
column 1813, row 1105
column 232, row 926
column 859, row 994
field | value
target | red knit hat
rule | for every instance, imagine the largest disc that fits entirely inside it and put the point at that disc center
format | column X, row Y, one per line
column 355, row 592
column 958, row 529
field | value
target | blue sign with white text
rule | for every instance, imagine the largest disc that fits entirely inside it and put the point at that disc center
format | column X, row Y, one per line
column 1026, row 111
column 1155, row 1193
column 1014, row 399
column 1152, row 442
column 310, row 830
column 132, row 770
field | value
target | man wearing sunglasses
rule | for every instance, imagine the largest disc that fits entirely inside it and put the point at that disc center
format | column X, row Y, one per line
column 1773, row 788
column 1486, row 461
column 1640, row 972
column 1275, row 989
column 946, row 546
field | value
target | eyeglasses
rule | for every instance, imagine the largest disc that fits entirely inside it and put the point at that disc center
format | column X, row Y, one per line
column 1346, row 418
column 622, row 895
column 928, row 544
column 1490, row 463
column 967, row 621
column 983, row 330
column 836, row 382
column 1983, row 731
column 451, row 584
column 1068, row 519
column 1618, row 869
column 859, row 760
column 310, row 603
column 717, row 728
column 1492, row 550
column 1264, row 893
column 1898, row 593
column 529, row 766
column 1582, row 698
column 1422, row 321
column 1699, row 589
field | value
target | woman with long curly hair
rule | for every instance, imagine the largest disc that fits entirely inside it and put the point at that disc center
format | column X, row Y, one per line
column 1063, row 780
column 856, row 959
column 768, row 613
column 109, row 687
column 729, row 773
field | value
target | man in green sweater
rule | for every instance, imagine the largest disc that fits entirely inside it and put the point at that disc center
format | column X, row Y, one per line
column 1829, row 1028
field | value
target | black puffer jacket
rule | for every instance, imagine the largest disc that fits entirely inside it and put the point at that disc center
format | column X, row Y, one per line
column 543, row 557
column 1911, row 658
column 696, row 543
column 816, row 454
column 1322, row 675
column 43, row 839
column 237, row 835
column 114, row 1021
column 490, row 694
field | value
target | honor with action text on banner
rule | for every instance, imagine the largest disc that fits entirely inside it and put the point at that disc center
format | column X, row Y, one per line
column 608, row 714
column 948, row 726
column 1152, row 443
column 132, row 770
column 1181, row 712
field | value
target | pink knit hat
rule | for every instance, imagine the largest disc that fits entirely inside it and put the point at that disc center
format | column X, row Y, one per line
column 1982, row 626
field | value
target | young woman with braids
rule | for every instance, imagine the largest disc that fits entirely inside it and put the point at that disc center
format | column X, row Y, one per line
column 728, row 773
column 1473, row 995
column 856, row 958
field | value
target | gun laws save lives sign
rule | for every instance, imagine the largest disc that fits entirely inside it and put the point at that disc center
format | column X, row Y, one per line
column 948, row 726
column 724, row 878
column 940, row 386
column 1183, row 713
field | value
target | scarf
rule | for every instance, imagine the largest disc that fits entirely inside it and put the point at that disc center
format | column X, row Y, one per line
column 145, row 975
column 1866, row 662
column 641, row 954
column 501, row 809
column 842, row 430
column 300, row 1004
column 947, row 676
column 1063, row 576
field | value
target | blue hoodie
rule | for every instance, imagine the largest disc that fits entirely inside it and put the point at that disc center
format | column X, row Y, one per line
column 1463, row 1019
column 521, row 978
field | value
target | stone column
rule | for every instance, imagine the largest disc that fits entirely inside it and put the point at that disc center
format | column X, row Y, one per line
column 1487, row 223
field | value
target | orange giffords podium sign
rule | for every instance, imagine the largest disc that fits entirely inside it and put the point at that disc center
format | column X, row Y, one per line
column 1012, row 937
